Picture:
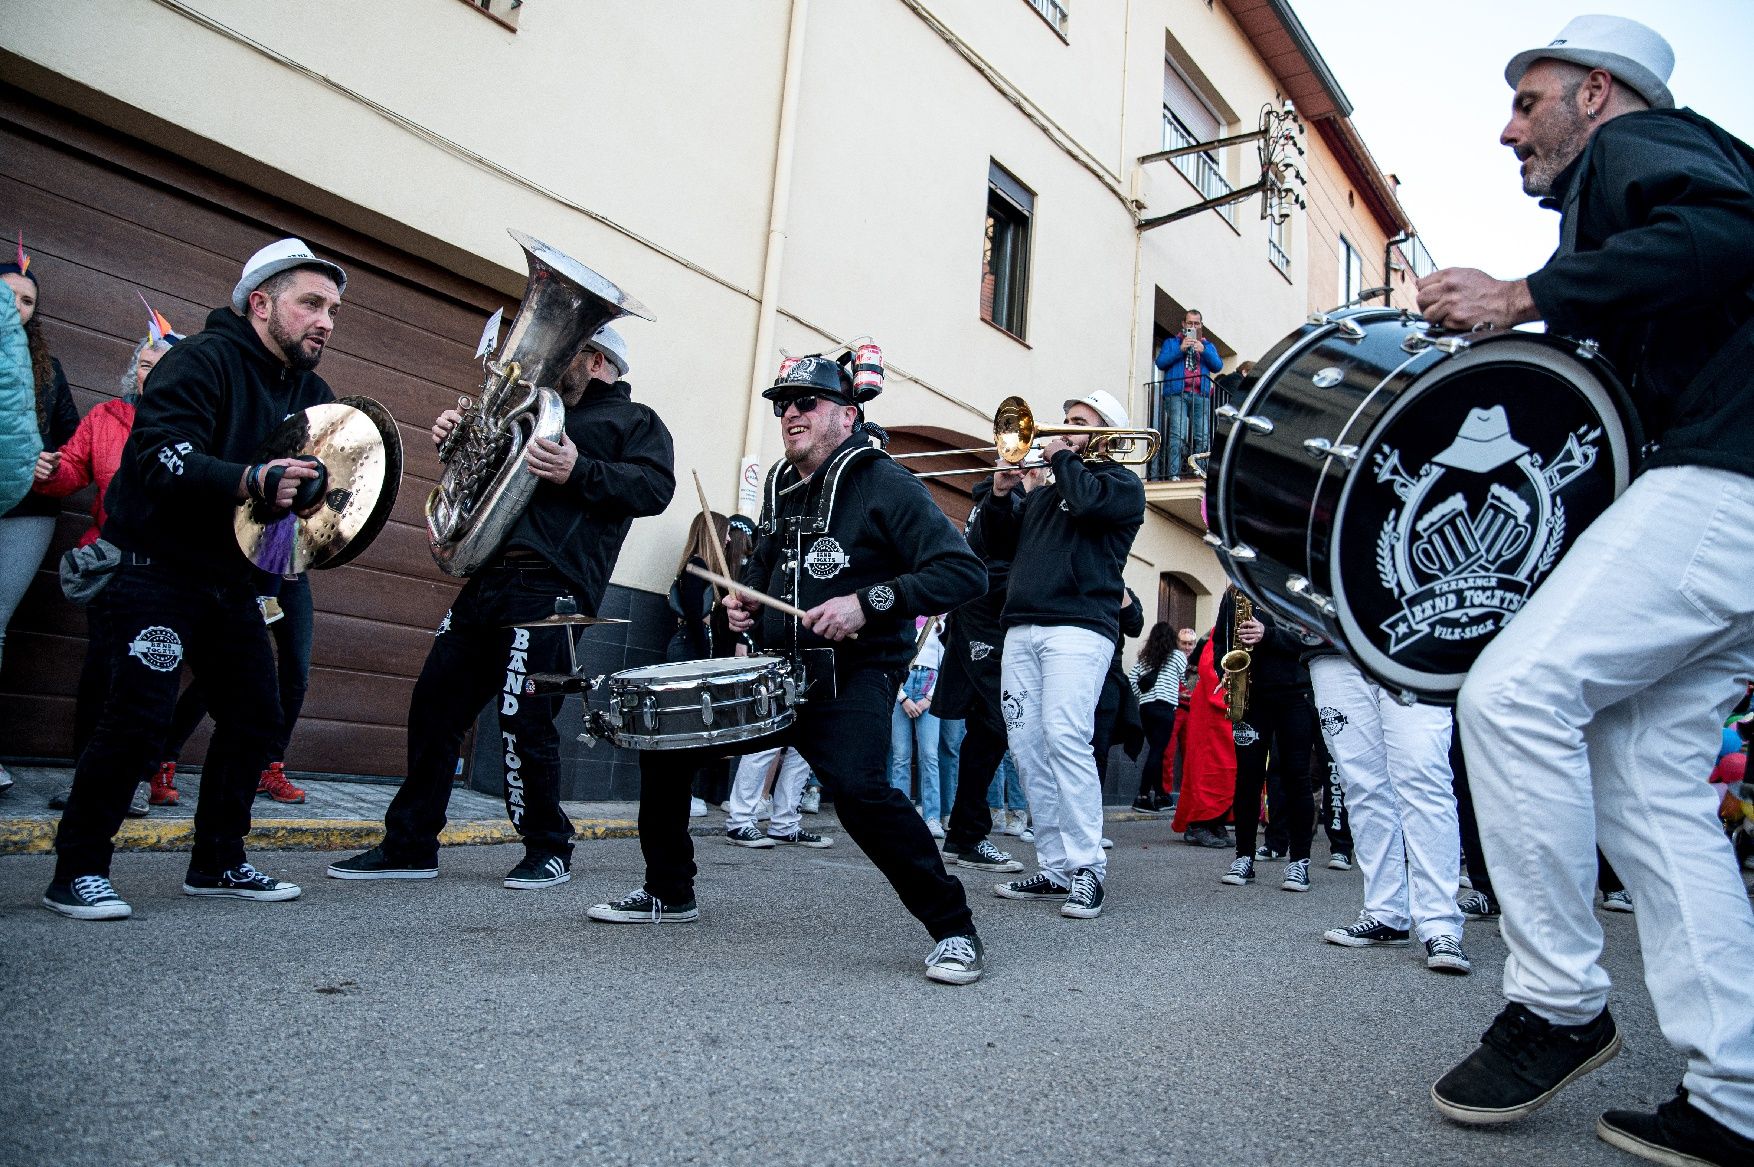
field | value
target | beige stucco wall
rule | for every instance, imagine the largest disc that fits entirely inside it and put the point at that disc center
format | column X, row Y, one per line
column 1337, row 207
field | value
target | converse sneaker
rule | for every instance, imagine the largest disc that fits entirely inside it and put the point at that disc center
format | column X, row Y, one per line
column 1477, row 905
column 1026, row 835
column 374, row 864
column 1242, row 871
column 811, row 802
column 983, row 856
column 697, row 808
column 1522, row 1062
column 642, row 908
column 1019, row 823
column 747, row 836
column 1616, row 901
column 802, row 838
column 1340, row 861
column 1144, row 805
column 1679, row 1132
column 1266, row 854
column 242, row 882
column 1108, row 844
column 275, row 784
column 1443, row 953
column 1084, row 901
column 1367, row 933
column 1036, row 887
column 1296, row 876
column 87, row 897
column 164, row 785
column 935, row 828
column 539, row 871
column 141, row 804
column 956, row 961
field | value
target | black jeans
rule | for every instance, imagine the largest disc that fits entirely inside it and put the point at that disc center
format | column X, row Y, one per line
column 846, row 742
column 475, row 658
column 1473, row 854
column 983, row 748
column 1284, row 727
column 1325, row 777
column 152, row 619
column 1159, row 719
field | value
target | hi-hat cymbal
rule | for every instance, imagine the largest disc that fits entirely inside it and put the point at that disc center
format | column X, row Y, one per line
column 356, row 440
column 567, row 621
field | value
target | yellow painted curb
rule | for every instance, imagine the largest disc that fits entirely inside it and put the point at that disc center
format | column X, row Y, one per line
column 37, row 836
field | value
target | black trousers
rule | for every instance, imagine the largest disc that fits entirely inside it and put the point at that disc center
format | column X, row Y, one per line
column 152, row 619
column 1159, row 720
column 983, row 748
column 1284, row 727
column 475, row 659
column 1473, row 854
column 846, row 742
column 1324, row 781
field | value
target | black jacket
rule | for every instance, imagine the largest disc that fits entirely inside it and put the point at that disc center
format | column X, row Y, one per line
column 1278, row 664
column 1068, row 543
column 1663, row 277
column 625, row 470
column 216, row 397
column 63, row 420
column 887, row 543
column 974, row 635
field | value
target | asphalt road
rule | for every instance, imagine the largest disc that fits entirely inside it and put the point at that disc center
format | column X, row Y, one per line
column 455, row 1022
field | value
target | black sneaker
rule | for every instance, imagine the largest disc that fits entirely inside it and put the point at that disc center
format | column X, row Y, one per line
column 539, row 871
column 1266, row 854
column 1444, row 954
column 1523, row 1061
column 1036, row 887
column 1144, row 805
column 802, row 838
column 983, row 856
column 242, row 882
column 1296, row 876
column 1242, row 871
column 374, row 864
column 1340, row 861
column 1679, row 1132
column 1367, row 933
column 957, row 960
column 641, row 908
column 1084, row 901
column 87, row 897
column 1617, row 901
column 747, row 836
column 1477, row 905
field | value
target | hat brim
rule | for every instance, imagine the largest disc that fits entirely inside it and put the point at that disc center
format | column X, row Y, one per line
column 240, row 295
column 1624, row 69
column 787, row 391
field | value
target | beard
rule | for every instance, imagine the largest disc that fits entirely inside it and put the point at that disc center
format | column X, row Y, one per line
column 292, row 347
column 1544, row 168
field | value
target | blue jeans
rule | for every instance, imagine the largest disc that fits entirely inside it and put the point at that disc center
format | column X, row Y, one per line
column 1007, row 788
column 909, row 736
column 950, row 735
column 1190, row 429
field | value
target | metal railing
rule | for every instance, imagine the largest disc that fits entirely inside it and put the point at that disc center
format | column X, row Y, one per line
column 1420, row 259
column 1200, row 169
column 1277, row 255
column 1054, row 13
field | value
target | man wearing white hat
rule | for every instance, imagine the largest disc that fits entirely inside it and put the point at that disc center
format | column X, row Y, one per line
column 1592, row 719
column 1067, row 545
column 184, row 593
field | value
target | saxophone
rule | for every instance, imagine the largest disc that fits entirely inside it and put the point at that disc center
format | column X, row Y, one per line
column 1235, row 663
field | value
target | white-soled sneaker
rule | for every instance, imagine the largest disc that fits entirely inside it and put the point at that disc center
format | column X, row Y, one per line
column 1084, row 901
column 1616, row 901
column 1340, row 861
column 748, row 836
column 1241, row 872
column 802, row 838
column 983, row 856
column 957, row 960
column 641, row 907
column 87, row 897
column 242, row 882
column 1443, row 953
column 1296, row 876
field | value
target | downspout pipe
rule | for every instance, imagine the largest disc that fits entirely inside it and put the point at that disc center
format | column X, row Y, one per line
column 767, row 311
column 1388, row 266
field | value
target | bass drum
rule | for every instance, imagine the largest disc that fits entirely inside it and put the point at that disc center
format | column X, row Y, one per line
column 1403, row 493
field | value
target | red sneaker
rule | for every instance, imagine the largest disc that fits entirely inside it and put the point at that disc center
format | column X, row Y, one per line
column 275, row 785
column 164, row 786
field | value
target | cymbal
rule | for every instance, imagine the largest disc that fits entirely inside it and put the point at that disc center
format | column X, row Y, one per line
column 357, row 442
column 575, row 619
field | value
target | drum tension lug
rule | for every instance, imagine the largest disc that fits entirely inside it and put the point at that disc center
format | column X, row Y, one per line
column 1298, row 586
column 1241, row 553
column 1211, row 540
column 1588, row 350
column 1231, row 413
column 706, row 708
column 1323, row 448
column 1350, row 329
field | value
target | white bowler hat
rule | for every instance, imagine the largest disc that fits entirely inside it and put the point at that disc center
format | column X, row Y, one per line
column 1107, row 407
column 1637, row 56
column 276, row 258
column 611, row 344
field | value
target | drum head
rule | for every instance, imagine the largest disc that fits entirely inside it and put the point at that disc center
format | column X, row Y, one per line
column 696, row 670
column 1467, row 492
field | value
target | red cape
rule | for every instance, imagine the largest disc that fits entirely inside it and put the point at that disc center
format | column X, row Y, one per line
column 1209, row 757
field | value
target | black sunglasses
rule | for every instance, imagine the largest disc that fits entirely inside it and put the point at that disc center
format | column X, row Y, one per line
column 804, row 404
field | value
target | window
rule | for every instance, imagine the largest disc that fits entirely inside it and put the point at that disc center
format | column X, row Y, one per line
column 500, row 11
column 1351, row 272
column 1005, row 252
column 1187, row 119
column 1278, row 237
column 1054, row 12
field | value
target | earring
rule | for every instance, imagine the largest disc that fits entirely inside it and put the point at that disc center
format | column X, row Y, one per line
column 1591, row 112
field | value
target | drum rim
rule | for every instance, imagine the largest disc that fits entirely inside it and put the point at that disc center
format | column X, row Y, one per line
column 1603, row 388
column 717, row 669
column 698, row 739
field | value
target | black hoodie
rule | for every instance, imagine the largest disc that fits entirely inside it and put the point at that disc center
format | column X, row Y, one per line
column 216, row 397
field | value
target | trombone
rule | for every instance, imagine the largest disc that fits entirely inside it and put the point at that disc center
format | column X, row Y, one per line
column 1015, row 433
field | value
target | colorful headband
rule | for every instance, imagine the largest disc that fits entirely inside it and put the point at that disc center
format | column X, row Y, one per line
column 157, row 327
column 23, row 259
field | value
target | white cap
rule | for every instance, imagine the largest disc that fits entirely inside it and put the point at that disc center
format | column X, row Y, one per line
column 1107, row 406
column 611, row 344
column 274, row 259
column 1637, row 56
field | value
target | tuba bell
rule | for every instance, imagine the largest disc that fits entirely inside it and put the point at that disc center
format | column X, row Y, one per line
column 485, row 484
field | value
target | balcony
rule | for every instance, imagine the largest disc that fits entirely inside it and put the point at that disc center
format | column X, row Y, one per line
column 1180, row 498
column 1199, row 169
column 1054, row 13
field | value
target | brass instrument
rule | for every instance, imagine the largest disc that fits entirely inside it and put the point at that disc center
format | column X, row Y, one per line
column 1015, row 433
column 1235, row 663
column 485, row 484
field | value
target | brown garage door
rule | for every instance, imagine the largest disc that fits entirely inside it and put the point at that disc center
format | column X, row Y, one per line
column 105, row 216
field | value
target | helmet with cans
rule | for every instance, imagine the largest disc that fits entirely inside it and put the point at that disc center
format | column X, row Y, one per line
column 854, row 376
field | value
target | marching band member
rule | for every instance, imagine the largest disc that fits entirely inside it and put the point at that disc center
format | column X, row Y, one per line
column 856, row 541
column 1067, row 543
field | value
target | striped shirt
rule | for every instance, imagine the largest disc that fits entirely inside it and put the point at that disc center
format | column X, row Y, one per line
column 1167, row 686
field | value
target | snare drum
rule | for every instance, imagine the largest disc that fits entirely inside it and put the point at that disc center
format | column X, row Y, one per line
column 689, row 704
column 1404, row 494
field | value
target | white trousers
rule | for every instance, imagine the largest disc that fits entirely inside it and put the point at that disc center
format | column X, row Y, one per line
column 1050, row 680
column 1393, row 762
column 1593, row 720
column 788, row 790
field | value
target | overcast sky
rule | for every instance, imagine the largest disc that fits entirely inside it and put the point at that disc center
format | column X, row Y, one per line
column 1426, row 81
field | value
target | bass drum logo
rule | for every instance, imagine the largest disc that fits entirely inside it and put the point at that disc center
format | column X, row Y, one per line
column 159, row 648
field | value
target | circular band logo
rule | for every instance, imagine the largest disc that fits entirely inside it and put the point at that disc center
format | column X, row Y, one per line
column 159, row 648
column 881, row 597
column 826, row 558
column 1245, row 734
column 1333, row 721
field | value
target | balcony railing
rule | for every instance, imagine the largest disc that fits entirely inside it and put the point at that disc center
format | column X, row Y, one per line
column 1420, row 259
column 1200, row 169
column 1054, row 13
column 1277, row 255
column 1159, row 469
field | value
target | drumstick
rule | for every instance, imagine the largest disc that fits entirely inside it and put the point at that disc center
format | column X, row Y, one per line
column 712, row 528
column 750, row 593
